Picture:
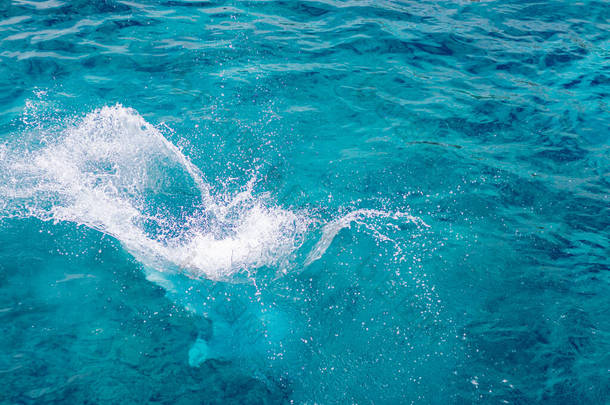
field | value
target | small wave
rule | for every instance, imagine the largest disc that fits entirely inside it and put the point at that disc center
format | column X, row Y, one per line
column 362, row 217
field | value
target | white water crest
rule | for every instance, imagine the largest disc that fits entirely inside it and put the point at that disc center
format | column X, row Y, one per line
column 114, row 172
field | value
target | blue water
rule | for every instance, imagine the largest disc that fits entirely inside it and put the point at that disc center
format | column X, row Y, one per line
column 304, row 202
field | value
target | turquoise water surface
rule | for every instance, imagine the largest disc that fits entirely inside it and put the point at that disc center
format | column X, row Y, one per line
column 304, row 202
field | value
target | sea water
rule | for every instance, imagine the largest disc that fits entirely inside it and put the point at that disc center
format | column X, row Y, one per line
column 304, row 202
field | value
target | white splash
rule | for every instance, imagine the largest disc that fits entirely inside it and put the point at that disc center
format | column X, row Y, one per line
column 114, row 172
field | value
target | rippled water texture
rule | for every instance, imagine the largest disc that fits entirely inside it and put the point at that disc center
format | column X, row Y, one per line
column 307, row 202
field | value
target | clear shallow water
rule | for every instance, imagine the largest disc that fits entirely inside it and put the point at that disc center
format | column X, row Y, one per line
column 316, row 202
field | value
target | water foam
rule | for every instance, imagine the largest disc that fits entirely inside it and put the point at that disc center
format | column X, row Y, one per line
column 114, row 172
